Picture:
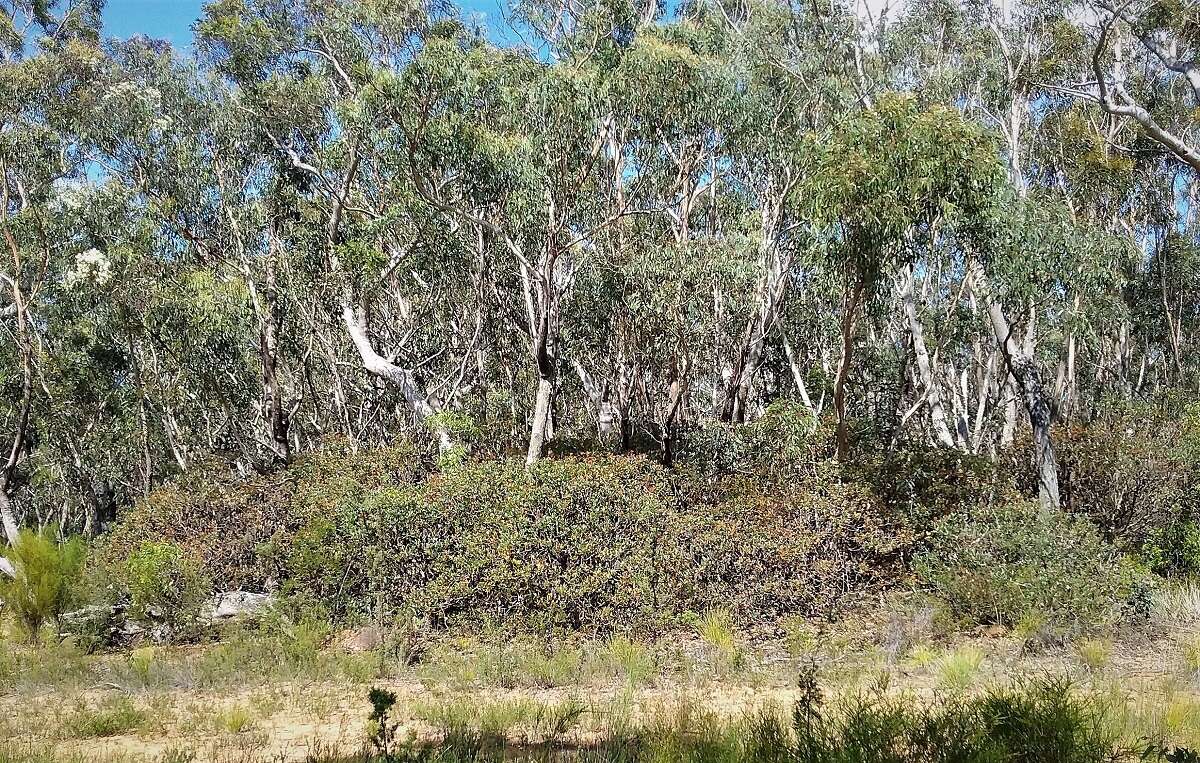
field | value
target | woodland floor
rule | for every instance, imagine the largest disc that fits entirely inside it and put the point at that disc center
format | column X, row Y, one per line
column 1147, row 676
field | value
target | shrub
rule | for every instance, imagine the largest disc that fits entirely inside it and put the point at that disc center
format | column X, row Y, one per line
column 599, row 545
column 1126, row 471
column 763, row 553
column 1013, row 563
column 46, row 578
column 926, row 484
column 241, row 529
column 785, row 443
column 1173, row 548
column 569, row 544
column 164, row 583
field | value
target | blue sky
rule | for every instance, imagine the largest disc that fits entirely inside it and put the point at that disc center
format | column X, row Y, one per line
column 172, row 20
column 169, row 20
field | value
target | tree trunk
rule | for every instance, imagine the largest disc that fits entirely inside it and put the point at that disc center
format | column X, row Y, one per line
column 539, row 431
column 849, row 317
column 401, row 378
column 798, row 377
column 674, row 403
column 1024, row 370
column 270, row 319
column 7, row 518
column 933, row 396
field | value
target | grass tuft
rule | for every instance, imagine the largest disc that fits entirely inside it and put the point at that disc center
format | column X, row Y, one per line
column 958, row 671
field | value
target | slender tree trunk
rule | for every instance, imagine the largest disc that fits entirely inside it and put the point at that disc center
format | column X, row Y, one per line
column 270, row 321
column 849, row 319
column 1024, row 370
column 671, row 419
column 798, row 377
column 933, row 395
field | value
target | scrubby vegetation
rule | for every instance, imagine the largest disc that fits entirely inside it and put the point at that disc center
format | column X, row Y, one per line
column 541, row 377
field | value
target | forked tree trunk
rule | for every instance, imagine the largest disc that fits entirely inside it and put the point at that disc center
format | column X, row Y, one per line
column 1024, row 370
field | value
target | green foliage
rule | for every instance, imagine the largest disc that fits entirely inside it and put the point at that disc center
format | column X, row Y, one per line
column 381, row 730
column 164, row 583
column 785, row 444
column 1041, row 721
column 1012, row 563
column 1173, row 548
column 46, row 581
column 598, row 545
column 241, row 530
column 890, row 172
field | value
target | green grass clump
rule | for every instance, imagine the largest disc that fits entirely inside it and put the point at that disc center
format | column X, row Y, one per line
column 629, row 660
column 958, row 670
column 112, row 717
column 715, row 629
column 1094, row 654
column 235, row 720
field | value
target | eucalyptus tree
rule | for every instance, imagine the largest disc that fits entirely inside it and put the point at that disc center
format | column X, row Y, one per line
column 223, row 202
column 1146, row 63
column 48, row 55
column 325, row 85
column 892, row 178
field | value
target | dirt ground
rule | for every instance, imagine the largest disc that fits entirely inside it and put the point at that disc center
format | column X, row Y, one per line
column 285, row 722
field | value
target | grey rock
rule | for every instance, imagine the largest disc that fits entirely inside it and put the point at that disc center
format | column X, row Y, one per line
column 235, row 605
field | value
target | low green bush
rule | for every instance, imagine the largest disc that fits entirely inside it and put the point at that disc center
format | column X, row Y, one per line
column 241, row 529
column 595, row 545
column 1173, row 548
column 165, row 583
column 46, row 579
column 1015, row 564
column 569, row 544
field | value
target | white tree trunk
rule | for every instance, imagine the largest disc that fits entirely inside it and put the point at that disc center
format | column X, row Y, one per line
column 933, row 395
column 541, row 422
column 401, row 378
column 7, row 518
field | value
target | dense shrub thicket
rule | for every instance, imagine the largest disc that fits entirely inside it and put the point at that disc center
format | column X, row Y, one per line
column 595, row 544
column 1015, row 565
column 756, row 519
column 239, row 529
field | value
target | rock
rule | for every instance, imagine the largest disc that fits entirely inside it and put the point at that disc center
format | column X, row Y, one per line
column 235, row 605
column 6, row 568
column 361, row 640
column 95, row 614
